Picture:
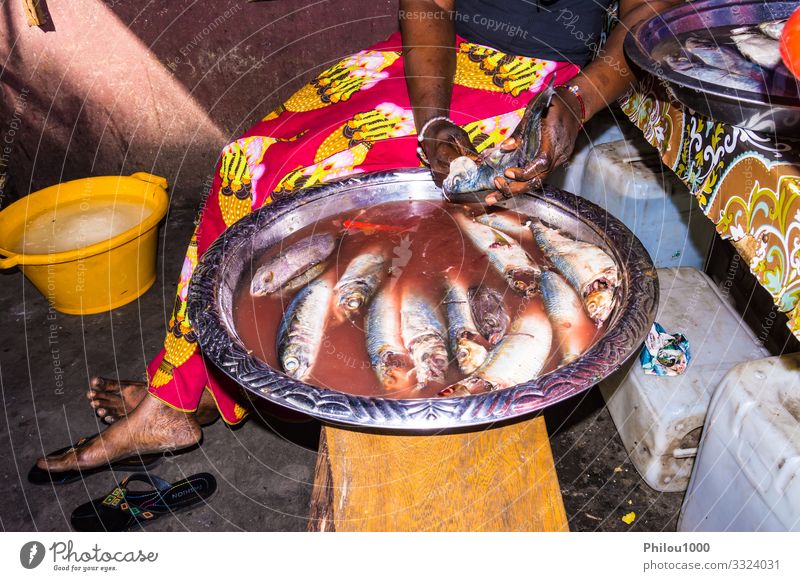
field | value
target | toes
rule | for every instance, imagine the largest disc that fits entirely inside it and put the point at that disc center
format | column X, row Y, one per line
column 109, row 419
column 101, row 412
column 94, row 403
column 91, row 394
column 97, row 382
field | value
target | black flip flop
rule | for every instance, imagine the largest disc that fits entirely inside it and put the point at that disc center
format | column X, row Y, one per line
column 123, row 509
column 131, row 464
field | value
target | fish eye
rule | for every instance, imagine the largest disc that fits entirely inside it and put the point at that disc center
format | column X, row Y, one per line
column 291, row 363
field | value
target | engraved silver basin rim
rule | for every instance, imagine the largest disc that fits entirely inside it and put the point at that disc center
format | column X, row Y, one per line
column 234, row 254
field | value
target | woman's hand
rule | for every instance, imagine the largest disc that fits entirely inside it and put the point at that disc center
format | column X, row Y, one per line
column 560, row 127
column 444, row 141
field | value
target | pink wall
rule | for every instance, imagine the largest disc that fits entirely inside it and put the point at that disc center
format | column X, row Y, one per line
column 119, row 86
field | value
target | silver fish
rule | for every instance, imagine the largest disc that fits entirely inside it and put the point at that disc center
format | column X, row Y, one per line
column 773, row 28
column 571, row 327
column 360, row 280
column 303, row 279
column 389, row 357
column 589, row 270
column 708, row 74
column 505, row 255
column 507, row 222
column 291, row 262
column 518, row 358
column 722, row 57
column 302, row 328
column 466, row 176
column 465, row 340
column 489, row 313
column 760, row 49
column 424, row 335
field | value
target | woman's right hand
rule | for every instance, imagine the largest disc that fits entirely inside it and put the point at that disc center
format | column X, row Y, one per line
column 444, row 141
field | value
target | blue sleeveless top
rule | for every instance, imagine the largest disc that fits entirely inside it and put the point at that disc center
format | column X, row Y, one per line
column 559, row 30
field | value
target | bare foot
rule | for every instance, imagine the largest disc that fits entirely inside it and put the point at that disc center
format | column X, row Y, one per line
column 112, row 400
column 149, row 429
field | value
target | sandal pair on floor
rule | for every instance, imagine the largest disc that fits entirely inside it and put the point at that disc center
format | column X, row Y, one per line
column 123, row 509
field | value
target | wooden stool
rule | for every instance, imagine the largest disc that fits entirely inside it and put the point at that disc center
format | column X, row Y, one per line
column 499, row 479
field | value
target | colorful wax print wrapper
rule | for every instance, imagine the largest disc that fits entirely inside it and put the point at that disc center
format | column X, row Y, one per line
column 663, row 353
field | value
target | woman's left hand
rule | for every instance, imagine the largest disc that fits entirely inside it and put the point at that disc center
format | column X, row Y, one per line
column 560, row 128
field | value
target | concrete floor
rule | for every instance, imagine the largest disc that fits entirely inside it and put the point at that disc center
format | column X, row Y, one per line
column 265, row 468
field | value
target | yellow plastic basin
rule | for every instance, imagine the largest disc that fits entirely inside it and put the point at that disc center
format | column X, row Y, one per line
column 88, row 245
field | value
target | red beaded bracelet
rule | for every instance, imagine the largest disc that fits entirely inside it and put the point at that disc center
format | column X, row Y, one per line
column 575, row 90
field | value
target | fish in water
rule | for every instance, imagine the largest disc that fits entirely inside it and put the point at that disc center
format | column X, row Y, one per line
column 424, row 335
column 489, row 313
column 707, row 74
column 387, row 354
column 302, row 328
column 360, row 280
column 760, row 49
column 291, row 262
column 773, row 28
column 507, row 222
column 519, row 357
column 302, row 280
column 722, row 57
column 590, row 270
column 466, row 343
column 468, row 176
column 572, row 329
column 505, row 255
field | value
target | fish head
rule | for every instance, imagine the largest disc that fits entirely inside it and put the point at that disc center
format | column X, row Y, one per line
column 396, row 371
column 470, row 355
column 468, row 176
column 599, row 304
column 295, row 366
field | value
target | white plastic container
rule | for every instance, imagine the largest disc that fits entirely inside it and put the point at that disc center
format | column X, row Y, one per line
column 747, row 476
column 659, row 419
column 626, row 178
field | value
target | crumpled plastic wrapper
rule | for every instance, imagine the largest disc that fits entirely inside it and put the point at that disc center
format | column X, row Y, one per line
column 665, row 354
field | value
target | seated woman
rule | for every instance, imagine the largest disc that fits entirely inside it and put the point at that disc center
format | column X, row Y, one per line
column 459, row 76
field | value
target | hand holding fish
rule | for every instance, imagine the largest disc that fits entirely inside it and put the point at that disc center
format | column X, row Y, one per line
column 443, row 142
column 560, row 126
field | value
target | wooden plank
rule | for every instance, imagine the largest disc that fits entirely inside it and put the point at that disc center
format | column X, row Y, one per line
column 500, row 479
column 320, row 518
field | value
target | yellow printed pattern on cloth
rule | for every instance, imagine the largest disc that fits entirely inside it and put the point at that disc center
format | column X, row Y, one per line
column 481, row 67
column 363, row 70
column 386, row 121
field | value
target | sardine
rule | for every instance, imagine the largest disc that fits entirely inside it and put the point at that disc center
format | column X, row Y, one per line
column 303, row 279
column 505, row 255
column 302, row 328
column 489, row 313
column 360, row 280
column 291, row 262
column 519, row 357
column 773, row 28
column 722, row 57
column 760, row 49
column 466, row 176
column 572, row 329
column 424, row 336
column 707, row 74
column 387, row 354
column 507, row 222
column 466, row 342
column 589, row 269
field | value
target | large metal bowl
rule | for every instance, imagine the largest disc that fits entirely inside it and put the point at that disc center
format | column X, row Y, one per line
column 763, row 112
column 231, row 258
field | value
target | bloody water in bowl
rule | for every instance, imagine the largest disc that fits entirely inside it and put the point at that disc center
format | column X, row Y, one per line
column 424, row 244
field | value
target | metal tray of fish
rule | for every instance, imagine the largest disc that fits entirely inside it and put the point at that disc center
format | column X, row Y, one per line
column 227, row 264
column 771, row 106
